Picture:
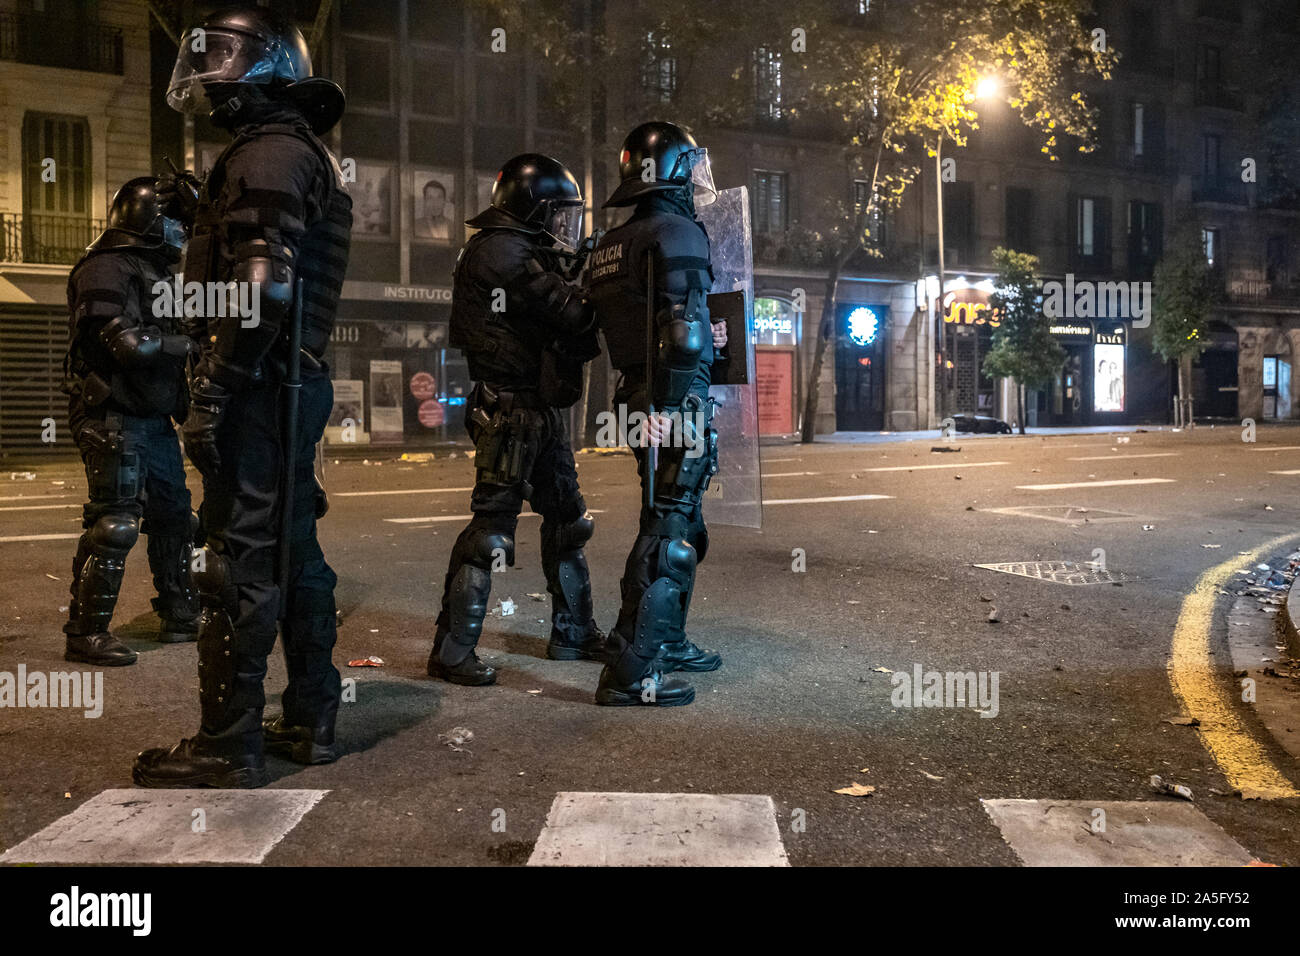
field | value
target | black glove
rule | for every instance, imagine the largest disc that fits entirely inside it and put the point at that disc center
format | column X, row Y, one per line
column 208, row 402
column 178, row 194
column 320, row 500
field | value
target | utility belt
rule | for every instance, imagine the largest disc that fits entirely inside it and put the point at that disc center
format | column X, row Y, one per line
column 501, row 422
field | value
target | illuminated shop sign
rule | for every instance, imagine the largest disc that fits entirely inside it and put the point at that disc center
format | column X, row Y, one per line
column 970, row 307
column 774, row 321
column 863, row 325
column 1071, row 330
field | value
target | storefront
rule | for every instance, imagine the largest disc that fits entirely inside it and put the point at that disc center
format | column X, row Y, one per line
column 395, row 380
column 968, row 323
column 860, row 366
column 776, row 364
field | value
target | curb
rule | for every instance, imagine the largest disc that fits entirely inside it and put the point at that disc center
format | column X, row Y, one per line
column 1291, row 619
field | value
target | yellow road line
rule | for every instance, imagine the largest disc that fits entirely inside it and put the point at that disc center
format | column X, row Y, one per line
column 1195, row 681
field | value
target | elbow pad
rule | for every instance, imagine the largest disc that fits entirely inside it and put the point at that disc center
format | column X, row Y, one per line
column 263, row 282
column 684, row 335
column 131, row 345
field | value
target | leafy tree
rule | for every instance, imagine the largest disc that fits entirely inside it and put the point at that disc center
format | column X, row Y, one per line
column 1023, row 346
column 888, row 85
column 1185, row 289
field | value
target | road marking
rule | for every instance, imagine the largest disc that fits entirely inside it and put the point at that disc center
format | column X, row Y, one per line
column 37, row 507
column 39, row 537
column 33, row 497
column 158, row 826
column 1277, row 448
column 791, row 474
column 1154, row 454
column 1123, row 833
column 1294, row 472
column 522, row 514
column 968, row 464
column 660, row 829
column 773, row 461
column 403, row 491
column 817, row 501
column 1097, row 484
column 1196, row 682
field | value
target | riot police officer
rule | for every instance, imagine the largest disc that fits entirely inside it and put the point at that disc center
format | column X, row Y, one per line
column 664, row 173
column 274, row 217
column 124, row 376
column 526, row 333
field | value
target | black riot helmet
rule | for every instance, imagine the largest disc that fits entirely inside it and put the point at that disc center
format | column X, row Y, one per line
column 535, row 194
column 658, row 157
column 136, row 221
column 243, row 47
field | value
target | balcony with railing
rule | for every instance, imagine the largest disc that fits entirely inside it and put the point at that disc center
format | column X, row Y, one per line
column 1219, row 98
column 69, row 44
column 1219, row 189
column 47, row 240
column 1282, row 288
column 1225, row 10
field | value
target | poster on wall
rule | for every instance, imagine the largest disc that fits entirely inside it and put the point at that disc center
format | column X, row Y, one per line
column 774, row 369
column 387, row 392
column 433, row 206
column 372, row 201
column 1108, row 364
column 347, row 421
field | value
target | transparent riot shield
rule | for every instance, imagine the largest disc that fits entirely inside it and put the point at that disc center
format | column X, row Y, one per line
column 735, row 496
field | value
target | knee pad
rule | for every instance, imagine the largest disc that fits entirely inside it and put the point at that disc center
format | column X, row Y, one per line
column 114, row 533
column 677, row 560
column 209, row 571
column 482, row 546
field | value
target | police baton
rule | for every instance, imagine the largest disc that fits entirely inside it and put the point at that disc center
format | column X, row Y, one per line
column 293, row 390
column 652, row 453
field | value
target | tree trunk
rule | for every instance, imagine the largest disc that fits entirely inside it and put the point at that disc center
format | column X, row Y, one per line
column 808, row 428
column 1020, row 407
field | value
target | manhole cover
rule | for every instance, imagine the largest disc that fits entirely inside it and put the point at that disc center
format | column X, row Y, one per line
column 1066, row 514
column 1059, row 572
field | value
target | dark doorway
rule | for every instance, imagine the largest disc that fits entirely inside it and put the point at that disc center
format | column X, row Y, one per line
column 859, row 368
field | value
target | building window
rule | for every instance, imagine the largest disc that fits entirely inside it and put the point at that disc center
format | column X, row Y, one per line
column 1211, row 152
column 771, row 201
column 1209, row 71
column 1139, row 129
column 1277, row 259
column 768, row 101
column 1144, row 237
column 959, row 219
column 433, row 82
column 497, row 87
column 861, row 193
column 658, row 69
column 1090, row 224
column 1212, row 243
column 368, row 65
column 56, row 225
column 1020, row 219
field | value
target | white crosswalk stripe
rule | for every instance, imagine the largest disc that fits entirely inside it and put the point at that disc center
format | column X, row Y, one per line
column 660, row 829
column 169, row 826
column 1113, row 833
column 1097, row 484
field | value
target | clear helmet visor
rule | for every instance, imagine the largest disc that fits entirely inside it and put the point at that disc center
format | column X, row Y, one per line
column 564, row 225
column 701, row 174
column 173, row 233
column 218, row 56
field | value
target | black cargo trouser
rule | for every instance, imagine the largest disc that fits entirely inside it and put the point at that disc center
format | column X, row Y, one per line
column 134, row 471
column 241, row 596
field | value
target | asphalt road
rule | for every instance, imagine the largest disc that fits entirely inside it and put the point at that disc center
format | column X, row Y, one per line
column 802, row 705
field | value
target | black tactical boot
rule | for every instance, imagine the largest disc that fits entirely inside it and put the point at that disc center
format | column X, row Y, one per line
column 652, row 690
column 100, row 650
column 683, row 655
column 459, row 627
column 577, row 644
column 304, row 745
column 231, row 758
column 177, row 603
column 96, row 578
